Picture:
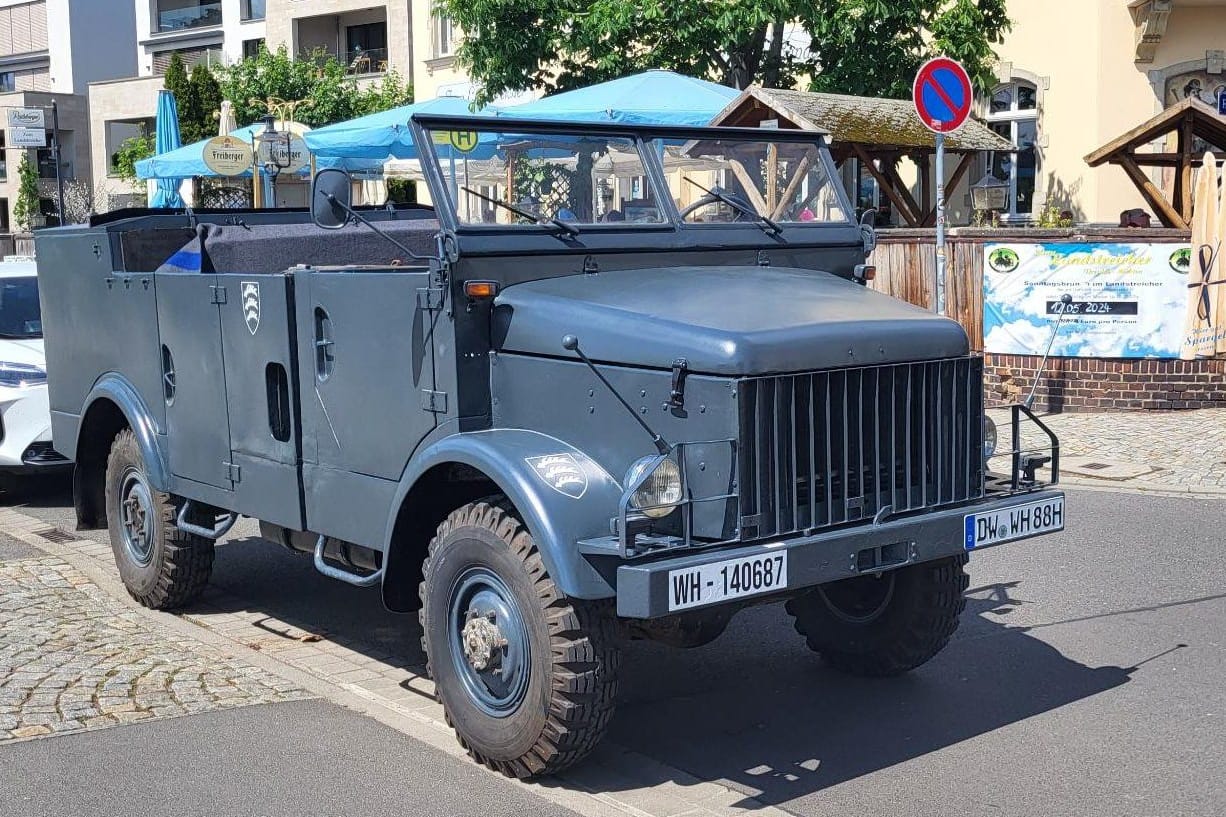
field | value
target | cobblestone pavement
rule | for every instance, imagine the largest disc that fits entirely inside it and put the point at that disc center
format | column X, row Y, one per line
column 1180, row 451
column 73, row 658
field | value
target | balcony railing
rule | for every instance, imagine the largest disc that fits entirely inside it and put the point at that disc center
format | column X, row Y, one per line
column 198, row 16
column 357, row 61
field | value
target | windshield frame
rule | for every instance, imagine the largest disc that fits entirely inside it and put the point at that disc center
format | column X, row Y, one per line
column 643, row 137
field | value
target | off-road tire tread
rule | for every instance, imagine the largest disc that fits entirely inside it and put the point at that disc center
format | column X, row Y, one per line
column 912, row 638
column 187, row 564
column 583, row 643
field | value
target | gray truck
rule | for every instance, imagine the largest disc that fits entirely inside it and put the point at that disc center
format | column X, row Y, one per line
column 556, row 410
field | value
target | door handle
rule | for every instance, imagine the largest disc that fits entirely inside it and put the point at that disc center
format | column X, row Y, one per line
column 324, row 358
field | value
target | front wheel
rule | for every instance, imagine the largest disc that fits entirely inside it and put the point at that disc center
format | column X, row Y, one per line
column 884, row 624
column 527, row 677
column 161, row 566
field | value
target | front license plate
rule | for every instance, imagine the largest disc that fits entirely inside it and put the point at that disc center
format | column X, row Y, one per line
column 730, row 579
column 1019, row 522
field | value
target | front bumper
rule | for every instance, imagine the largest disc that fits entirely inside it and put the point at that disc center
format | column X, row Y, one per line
column 25, row 432
column 643, row 587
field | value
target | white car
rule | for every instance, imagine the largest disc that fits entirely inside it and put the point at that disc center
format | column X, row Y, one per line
column 25, row 415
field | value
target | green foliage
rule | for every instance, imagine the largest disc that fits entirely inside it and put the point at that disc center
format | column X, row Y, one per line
column 1052, row 217
column 197, row 97
column 130, row 152
column 25, row 208
column 328, row 93
column 867, row 47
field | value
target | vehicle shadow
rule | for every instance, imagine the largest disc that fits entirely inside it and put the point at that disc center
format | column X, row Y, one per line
column 755, row 708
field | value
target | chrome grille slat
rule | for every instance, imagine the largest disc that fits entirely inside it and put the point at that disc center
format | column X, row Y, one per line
column 826, row 448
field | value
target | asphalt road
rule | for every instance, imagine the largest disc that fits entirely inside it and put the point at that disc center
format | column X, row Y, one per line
column 292, row 759
column 1087, row 679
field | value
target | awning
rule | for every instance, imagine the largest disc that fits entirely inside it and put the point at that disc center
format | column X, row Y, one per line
column 652, row 97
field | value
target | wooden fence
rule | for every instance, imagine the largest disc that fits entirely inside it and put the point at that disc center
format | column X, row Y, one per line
column 906, row 263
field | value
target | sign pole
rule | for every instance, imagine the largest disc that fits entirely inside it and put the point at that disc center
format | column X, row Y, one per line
column 55, row 153
column 938, row 300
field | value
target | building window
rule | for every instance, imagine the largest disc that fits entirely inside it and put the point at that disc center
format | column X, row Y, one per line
column 177, row 15
column 120, row 131
column 366, row 48
column 205, row 54
column 8, row 82
column 444, row 31
column 4, row 165
column 253, row 9
column 1013, row 113
column 251, row 48
column 4, row 215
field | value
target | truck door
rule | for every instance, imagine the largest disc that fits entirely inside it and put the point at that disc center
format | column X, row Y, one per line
column 257, row 340
column 366, row 367
column 193, row 378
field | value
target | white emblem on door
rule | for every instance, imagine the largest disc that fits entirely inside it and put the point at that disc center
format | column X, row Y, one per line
column 251, row 304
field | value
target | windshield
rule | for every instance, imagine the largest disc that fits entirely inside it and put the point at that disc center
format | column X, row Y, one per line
column 561, row 181
column 20, row 316
column 754, row 179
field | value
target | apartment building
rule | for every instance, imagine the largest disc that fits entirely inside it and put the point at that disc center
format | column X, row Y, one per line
column 51, row 49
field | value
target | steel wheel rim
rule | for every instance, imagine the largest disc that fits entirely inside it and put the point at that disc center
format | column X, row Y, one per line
column 868, row 607
column 488, row 642
column 136, row 517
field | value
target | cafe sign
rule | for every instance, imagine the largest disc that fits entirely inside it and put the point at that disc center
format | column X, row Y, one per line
column 228, row 156
column 288, row 158
column 26, row 118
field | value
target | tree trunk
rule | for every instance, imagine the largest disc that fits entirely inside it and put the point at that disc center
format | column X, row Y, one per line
column 773, row 63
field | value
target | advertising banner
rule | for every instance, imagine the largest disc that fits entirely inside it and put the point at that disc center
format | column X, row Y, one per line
column 1128, row 300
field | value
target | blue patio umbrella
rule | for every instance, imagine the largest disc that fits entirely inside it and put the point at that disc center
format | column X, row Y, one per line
column 651, row 97
column 188, row 160
column 166, row 139
column 383, row 135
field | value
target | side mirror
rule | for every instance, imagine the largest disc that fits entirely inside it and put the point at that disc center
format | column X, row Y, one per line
column 331, row 197
column 869, row 217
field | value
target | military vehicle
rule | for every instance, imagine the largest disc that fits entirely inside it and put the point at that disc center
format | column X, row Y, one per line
column 556, row 410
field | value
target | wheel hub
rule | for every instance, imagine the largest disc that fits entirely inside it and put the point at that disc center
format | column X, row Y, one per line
column 136, row 518
column 483, row 641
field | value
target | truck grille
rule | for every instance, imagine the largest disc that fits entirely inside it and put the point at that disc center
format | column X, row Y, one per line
column 828, row 448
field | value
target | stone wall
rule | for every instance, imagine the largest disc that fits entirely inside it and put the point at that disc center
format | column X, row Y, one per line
column 1093, row 384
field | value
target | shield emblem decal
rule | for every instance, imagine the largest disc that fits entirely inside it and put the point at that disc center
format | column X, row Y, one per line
column 560, row 472
column 251, row 304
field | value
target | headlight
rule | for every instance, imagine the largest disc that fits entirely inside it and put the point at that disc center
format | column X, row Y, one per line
column 989, row 437
column 660, row 491
column 20, row 375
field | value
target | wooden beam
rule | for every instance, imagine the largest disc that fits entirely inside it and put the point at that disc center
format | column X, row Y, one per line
column 751, row 189
column 797, row 177
column 1165, row 211
column 1171, row 159
column 891, row 173
column 930, row 219
column 886, row 186
column 1183, row 173
column 925, row 182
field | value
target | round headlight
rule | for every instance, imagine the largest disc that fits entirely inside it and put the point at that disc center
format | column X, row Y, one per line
column 989, row 437
column 660, row 491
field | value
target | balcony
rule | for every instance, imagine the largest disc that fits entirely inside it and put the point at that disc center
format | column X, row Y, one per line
column 357, row 41
column 181, row 15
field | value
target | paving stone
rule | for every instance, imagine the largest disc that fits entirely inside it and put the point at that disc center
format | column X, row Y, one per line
column 73, row 658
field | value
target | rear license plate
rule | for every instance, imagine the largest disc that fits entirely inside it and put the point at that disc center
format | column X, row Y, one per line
column 1009, row 524
column 727, row 580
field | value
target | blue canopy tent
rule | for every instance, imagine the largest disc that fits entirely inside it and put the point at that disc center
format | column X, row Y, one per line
column 166, row 141
column 357, row 143
column 652, row 97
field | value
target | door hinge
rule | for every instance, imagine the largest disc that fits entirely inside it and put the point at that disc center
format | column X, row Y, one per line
column 431, row 298
column 234, row 473
column 219, row 294
column 435, row 401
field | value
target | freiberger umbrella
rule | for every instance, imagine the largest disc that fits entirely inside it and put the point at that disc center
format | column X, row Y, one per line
column 1203, row 318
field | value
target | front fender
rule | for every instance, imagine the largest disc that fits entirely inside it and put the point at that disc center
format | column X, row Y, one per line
column 116, row 388
column 556, row 520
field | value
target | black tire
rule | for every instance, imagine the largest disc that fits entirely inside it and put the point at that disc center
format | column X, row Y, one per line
column 161, row 566
column 882, row 626
column 567, row 693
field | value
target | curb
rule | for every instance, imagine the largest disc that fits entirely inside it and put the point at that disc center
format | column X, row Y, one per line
column 1157, row 488
column 643, row 786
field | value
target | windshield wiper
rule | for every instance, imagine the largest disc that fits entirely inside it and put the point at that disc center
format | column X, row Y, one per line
column 767, row 224
column 544, row 221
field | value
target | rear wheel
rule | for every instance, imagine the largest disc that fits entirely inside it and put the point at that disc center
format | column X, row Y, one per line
column 526, row 676
column 161, row 566
column 885, row 624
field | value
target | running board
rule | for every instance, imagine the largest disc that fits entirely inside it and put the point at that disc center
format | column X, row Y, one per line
column 345, row 576
column 214, row 533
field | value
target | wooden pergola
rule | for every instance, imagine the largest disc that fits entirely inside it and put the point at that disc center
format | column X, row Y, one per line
column 1197, row 129
column 878, row 132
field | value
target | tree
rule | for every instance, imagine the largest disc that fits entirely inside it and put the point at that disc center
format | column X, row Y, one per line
column 130, row 152
column 197, row 98
column 26, row 206
column 869, row 47
column 330, row 94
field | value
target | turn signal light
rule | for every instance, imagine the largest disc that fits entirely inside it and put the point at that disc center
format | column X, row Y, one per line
column 480, row 289
column 866, row 272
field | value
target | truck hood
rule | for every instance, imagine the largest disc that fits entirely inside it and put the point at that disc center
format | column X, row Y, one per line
column 723, row 320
